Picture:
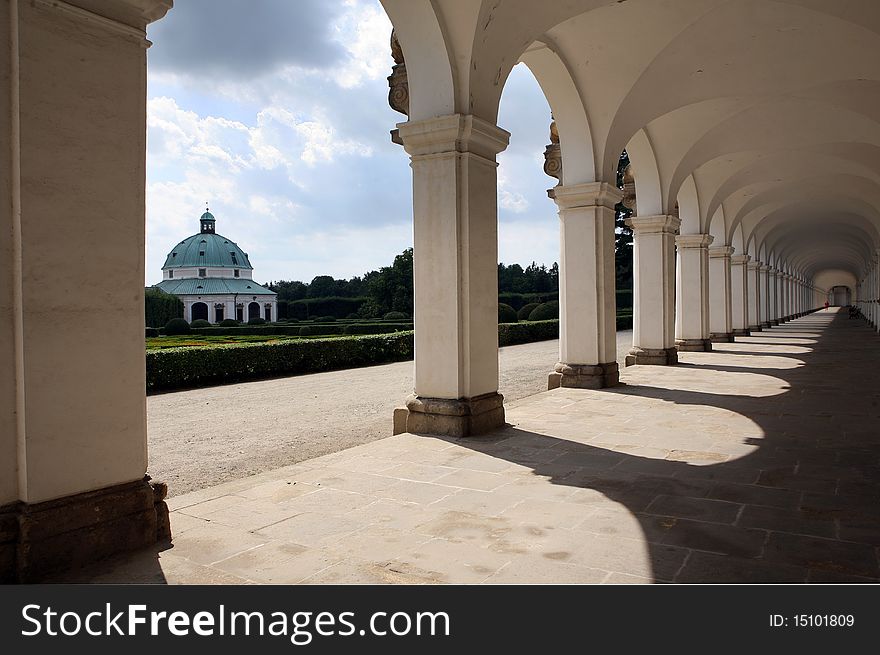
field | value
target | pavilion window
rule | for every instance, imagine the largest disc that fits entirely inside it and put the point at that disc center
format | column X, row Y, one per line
column 170, row 274
column 236, row 272
column 202, row 272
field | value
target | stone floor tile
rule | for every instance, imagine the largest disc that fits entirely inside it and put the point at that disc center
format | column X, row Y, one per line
column 822, row 554
column 786, row 520
column 532, row 569
column 703, row 509
column 706, row 568
column 314, row 529
column 278, row 563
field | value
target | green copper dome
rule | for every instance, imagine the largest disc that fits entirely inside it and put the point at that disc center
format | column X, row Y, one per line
column 207, row 250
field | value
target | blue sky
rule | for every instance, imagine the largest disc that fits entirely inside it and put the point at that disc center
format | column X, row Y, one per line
column 275, row 113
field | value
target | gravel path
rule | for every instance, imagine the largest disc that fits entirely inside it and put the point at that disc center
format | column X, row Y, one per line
column 203, row 437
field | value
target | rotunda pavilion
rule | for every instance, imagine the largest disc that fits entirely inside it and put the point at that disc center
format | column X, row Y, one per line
column 213, row 278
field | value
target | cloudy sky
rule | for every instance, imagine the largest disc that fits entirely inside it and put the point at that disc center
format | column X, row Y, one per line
column 275, row 112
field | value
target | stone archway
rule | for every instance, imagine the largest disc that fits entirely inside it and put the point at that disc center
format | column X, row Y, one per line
column 199, row 312
column 253, row 310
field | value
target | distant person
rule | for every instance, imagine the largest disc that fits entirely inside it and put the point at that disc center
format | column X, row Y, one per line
column 826, row 304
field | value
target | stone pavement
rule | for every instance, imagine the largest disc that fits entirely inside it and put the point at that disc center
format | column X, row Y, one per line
column 758, row 462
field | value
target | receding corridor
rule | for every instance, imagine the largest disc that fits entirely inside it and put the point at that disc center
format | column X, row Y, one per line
column 757, row 462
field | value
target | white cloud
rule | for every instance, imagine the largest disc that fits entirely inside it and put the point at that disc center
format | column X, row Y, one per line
column 364, row 31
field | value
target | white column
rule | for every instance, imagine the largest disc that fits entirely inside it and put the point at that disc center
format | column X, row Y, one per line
column 764, row 283
column 653, row 290
column 773, row 296
column 782, row 308
column 587, row 303
column 73, row 443
column 455, row 219
column 692, row 293
column 874, row 293
column 739, row 295
column 783, row 295
column 720, row 294
column 754, row 280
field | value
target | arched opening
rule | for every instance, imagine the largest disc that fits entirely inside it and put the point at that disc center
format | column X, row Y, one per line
column 841, row 296
column 218, row 312
column 253, row 310
column 199, row 311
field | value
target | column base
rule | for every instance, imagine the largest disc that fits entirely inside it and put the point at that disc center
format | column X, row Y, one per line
column 584, row 376
column 652, row 356
column 446, row 417
column 721, row 337
column 741, row 333
column 756, row 328
column 767, row 324
column 40, row 539
column 693, row 345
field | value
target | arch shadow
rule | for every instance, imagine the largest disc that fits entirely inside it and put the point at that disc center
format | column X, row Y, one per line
column 803, row 506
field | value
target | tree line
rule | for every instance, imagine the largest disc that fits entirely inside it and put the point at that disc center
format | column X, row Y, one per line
column 391, row 287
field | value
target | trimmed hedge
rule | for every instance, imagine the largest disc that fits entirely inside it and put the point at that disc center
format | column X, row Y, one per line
column 294, row 329
column 151, row 332
column 511, row 334
column 257, row 320
column 395, row 316
column 506, row 313
column 175, row 368
column 309, row 307
column 200, row 322
column 377, row 329
column 160, row 307
column 229, row 322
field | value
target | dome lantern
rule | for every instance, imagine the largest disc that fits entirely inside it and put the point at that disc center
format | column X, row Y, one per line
column 208, row 221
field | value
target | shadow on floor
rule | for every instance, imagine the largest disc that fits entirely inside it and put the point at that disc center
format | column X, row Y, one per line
column 803, row 506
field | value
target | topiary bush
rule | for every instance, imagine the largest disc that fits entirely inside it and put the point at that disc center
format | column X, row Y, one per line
column 326, row 319
column 257, row 321
column 395, row 316
column 306, row 331
column 200, row 322
column 506, row 313
column 546, row 312
column 229, row 322
column 176, row 326
column 151, row 332
column 525, row 310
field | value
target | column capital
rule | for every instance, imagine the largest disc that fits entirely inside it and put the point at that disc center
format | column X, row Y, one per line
column 590, row 194
column 763, row 267
column 694, row 240
column 754, row 265
column 662, row 223
column 453, row 133
column 721, row 251
column 740, row 260
column 772, row 271
column 131, row 13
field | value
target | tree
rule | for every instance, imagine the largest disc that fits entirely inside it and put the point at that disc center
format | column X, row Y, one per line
column 391, row 287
